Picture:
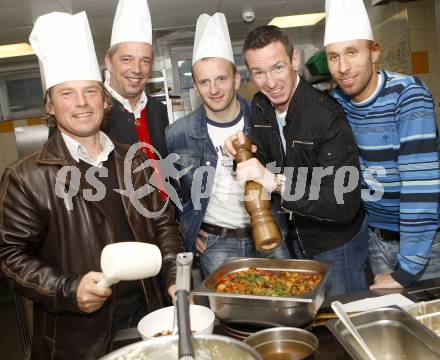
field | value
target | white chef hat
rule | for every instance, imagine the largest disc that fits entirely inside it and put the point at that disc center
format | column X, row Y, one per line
column 346, row 20
column 132, row 22
column 212, row 38
column 64, row 46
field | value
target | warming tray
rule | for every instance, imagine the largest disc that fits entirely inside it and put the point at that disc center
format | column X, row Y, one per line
column 266, row 310
column 390, row 333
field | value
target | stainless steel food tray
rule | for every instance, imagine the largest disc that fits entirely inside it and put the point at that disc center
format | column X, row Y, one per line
column 390, row 333
column 266, row 310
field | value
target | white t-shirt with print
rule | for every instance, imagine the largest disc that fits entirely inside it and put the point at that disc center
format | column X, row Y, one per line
column 225, row 207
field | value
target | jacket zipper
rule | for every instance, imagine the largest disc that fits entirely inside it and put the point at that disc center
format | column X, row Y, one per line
column 292, row 218
column 301, row 142
column 310, row 216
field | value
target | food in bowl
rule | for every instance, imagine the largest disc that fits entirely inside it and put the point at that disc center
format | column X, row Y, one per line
column 160, row 323
column 167, row 333
column 163, row 333
column 260, row 282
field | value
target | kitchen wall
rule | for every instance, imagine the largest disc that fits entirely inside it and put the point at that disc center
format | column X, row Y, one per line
column 409, row 40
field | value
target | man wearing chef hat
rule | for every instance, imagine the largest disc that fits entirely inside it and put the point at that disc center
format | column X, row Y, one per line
column 134, row 117
column 393, row 120
column 216, row 223
column 53, row 227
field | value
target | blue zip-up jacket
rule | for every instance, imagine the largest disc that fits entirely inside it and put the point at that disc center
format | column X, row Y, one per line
column 188, row 137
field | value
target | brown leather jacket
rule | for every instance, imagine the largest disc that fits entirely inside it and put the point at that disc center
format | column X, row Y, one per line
column 45, row 249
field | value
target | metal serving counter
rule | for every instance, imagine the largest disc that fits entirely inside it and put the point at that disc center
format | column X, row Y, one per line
column 329, row 347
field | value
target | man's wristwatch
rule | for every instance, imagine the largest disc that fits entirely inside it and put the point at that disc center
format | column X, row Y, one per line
column 280, row 180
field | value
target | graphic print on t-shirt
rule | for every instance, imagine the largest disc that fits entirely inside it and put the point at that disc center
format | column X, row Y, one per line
column 225, row 207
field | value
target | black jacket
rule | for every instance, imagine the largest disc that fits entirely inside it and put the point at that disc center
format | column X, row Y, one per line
column 317, row 135
column 119, row 124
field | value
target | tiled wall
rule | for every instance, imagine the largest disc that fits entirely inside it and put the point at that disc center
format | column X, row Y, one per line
column 424, row 40
column 409, row 41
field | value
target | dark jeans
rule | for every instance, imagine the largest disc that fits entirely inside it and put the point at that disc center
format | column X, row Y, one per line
column 348, row 264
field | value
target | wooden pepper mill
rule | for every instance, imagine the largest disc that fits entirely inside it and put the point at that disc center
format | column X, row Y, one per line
column 265, row 231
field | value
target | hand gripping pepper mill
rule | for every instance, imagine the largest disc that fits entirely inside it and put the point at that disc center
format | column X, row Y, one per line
column 265, row 231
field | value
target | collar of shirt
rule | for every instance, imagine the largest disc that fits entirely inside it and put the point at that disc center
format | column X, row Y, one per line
column 281, row 117
column 79, row 152
column 380, row 81
column 281, row 120
column 125, row 103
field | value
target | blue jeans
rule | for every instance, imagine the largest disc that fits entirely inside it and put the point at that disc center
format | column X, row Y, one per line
column 349, row 260
column 383, row 256
column 221, row 248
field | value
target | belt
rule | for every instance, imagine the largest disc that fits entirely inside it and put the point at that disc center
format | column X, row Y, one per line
column 221, row 231
column 386, row 235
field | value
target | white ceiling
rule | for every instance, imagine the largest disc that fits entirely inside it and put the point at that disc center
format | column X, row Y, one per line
column 17, row 16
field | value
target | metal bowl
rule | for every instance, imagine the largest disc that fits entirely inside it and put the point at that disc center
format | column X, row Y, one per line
column 266, row 310
column 284, row 343
column 206, row 347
